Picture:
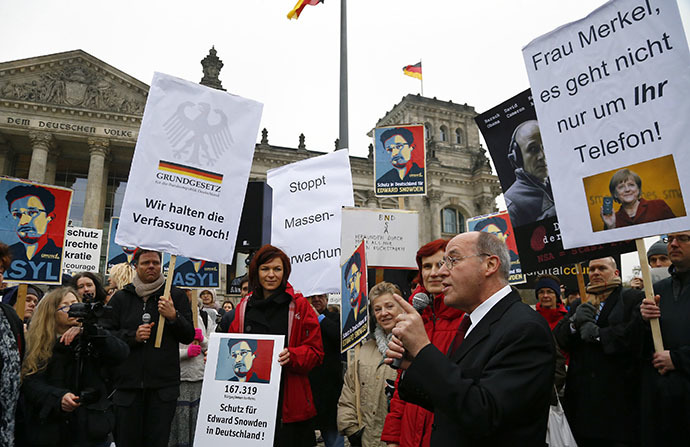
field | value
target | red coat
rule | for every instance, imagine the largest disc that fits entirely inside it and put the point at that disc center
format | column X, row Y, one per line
column 647, row 211
column 554, row 315
column 306, row 352
column 407, row 424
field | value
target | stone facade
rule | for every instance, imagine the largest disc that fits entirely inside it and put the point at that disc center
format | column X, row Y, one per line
column 72, row 120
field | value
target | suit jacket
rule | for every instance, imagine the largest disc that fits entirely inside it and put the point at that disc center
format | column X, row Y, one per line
column 495, row 389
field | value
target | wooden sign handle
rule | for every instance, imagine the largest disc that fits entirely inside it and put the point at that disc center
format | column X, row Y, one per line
column 649, row 293
column 581, row 283
column 166, row 296
column 195, row 308
column 20, row 304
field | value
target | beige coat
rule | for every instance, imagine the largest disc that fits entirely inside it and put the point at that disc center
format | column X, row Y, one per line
column 374, row 403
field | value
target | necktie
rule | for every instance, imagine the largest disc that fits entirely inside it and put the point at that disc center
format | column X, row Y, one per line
column 460, row 334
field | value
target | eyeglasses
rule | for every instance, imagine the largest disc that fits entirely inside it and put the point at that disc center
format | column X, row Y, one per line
column 352, row 279
column 450, row 261
column 681, row 238
column 64, row 309
column 31, row 212
column 396, row 147
column 240, row 354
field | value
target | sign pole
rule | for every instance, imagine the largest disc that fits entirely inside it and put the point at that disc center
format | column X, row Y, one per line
column 581, row 283
column 649, row 293
column 166, row 296
column 195, row 308
column 20, row 304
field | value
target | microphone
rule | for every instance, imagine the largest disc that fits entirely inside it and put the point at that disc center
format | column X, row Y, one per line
column 146, row 319
column 420, row 301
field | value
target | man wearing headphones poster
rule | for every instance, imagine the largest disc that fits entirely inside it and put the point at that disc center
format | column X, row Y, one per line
column 512, row 135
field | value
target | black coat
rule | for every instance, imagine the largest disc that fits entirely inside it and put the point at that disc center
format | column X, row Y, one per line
column 601, row 389
column 46, row 423
column 146, row 366
column 327, row 379
column 495, row 389
column 666, row 399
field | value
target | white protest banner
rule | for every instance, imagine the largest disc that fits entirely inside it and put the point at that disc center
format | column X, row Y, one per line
column 239, row 396
column 611, row 94
column 392, row 236
column 82, row 250
column 190, row 171
column 308, row 197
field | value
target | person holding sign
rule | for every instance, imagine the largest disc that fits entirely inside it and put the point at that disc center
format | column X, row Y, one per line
column 273, row 307
column 626, row 189
column 372, row 374
column 666, row 374
column 494, row 385
column 602, row 383
column 147, row 384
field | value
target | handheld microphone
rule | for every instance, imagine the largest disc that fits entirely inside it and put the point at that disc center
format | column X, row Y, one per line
column 146, row 319
column 420, row 301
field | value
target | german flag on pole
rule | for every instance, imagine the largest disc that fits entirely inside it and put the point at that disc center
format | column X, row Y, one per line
column 297, row 10
column 414, row 70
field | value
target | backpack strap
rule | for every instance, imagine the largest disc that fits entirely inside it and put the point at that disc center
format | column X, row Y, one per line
column 240, row 314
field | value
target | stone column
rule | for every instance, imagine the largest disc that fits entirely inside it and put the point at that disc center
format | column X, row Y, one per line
column 42, row 143
column 6, row 156
column 51, row 167
column 99, row 149
column 104, row 191
column 435, row 209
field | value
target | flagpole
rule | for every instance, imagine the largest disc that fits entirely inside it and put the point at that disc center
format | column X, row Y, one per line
column 343, row 140
column 421, row 79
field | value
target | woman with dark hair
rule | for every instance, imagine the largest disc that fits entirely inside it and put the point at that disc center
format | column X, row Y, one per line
column 549, row 304
column 408, row 424
column 11, row 354
column 89, row 287
column 274, row 308
column 59, row 359
column 626, row 188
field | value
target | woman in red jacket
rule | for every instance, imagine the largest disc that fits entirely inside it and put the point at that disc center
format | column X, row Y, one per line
column 409, row 425
column 549, row 304
column 275, row 308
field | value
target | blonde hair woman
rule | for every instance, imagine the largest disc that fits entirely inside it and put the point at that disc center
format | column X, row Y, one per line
column 120, row 275
column 369, row 370
column 64, row 406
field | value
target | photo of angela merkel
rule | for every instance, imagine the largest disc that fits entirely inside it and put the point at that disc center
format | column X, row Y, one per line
column 626, row 189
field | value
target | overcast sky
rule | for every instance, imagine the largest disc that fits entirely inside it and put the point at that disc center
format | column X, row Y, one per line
column 471, row 50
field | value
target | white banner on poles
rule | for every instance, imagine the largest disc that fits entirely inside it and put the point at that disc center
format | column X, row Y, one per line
column 392, row 236
column 82, row 250
column 190, row 171
column 611, row 94
column 239, row 396
column 308, row 197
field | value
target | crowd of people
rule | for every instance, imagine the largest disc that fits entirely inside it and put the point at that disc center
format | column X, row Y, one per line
column 477, row 365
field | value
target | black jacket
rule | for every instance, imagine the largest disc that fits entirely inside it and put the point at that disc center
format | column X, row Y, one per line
column 495, row 389
column 146, row 366
column 601, row 389
column 46, row 423
column 327, row 379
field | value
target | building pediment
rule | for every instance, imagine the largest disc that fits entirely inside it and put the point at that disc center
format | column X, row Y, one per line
column 73, row 79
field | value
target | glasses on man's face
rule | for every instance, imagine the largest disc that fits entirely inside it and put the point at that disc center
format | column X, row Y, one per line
column 396, row 147
column 31, row 212
column 64, row 309
column 352, row 279
column 450, row 261
column 681, row 238
column 240, row 354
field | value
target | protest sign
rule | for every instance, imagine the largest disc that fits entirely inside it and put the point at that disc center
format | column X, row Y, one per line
column 193, row 273
column 499, row 225
column 308, row 197
column 354, row 310
column 33, row 219
column 116, row 254
column 82, row 250
column 399, row 161
column 391, row 236
column 611, row 93
column 190, row 170
column 239, row 395
column 512, row 136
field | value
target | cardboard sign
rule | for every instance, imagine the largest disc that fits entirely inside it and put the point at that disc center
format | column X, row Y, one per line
column 399, row 161
column 391, row 236
column 82, row 250
column 354, row 315
column 511, row 129
column 190, row 171
column 611, row 93
column 33, row 219
column 193, row 273
column 239, row 396
column 308, row 197
column 499, row 225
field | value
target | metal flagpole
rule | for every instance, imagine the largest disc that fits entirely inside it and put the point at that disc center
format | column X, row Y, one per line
column 343, row 140
column 421, row 78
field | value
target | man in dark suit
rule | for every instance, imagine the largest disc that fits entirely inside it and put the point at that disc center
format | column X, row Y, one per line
column 494, row 386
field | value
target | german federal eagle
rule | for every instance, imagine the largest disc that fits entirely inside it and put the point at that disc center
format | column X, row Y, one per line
column 198, row 134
